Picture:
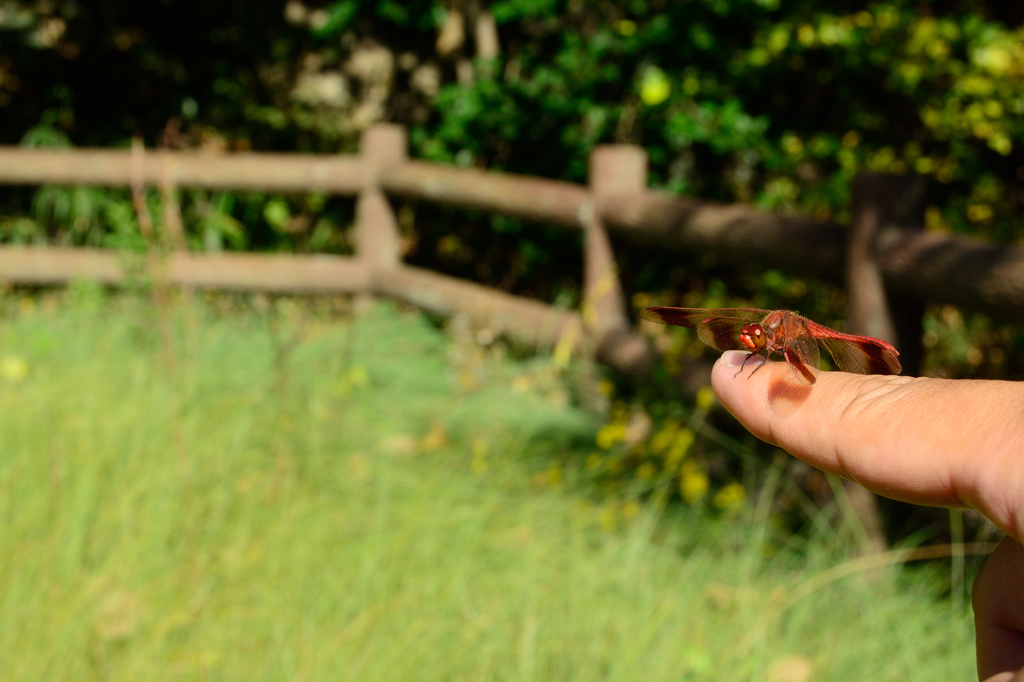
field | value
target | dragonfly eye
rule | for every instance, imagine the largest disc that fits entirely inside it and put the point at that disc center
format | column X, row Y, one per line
column 752, row 337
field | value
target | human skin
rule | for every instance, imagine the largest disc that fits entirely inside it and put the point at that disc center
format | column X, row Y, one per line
column 937, row 442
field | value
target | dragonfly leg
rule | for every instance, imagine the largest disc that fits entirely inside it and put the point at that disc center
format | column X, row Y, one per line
column 749, row 355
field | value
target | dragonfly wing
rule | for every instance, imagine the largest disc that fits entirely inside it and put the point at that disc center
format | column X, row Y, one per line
column 800, row 347
column 863, row 355
column 717, row 327
column 691, row 317
column 857, row 354
column 722, row 333
column 681, row 317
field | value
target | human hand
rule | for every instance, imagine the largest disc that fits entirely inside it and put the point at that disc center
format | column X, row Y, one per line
column 937, row 442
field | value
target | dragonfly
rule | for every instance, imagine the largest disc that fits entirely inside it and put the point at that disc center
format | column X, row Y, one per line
column 794, row 337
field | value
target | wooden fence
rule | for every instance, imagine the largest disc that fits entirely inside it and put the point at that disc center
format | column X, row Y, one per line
column 888, row 262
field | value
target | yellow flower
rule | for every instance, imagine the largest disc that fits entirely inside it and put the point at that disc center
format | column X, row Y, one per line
column 938, row 49
column 933, row 219
column 13, row 368
column 793, row 145
column 979, row 213
column 995, row 59
column 887, row 18
column 705, row 398
column 607, row 519
column 1000, row 143
column 642, row 299
column 565, row 346
column 680, row 447
column 610, row 435
column 778, row 39
column 931, row 117
column 693, row 484
column 863, row 19
column 548, row 478
column 662, row 440
column 654, row 87
column 352, row 379
column 731, row 497
column 522, row 383
column 993, row 108
column 805, row 34
column 479, row 464
column 435, row 439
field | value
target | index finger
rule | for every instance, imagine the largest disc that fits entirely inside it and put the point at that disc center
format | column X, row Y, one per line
column 929, row 441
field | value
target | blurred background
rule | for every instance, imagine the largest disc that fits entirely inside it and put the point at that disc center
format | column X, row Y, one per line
column 211, row 485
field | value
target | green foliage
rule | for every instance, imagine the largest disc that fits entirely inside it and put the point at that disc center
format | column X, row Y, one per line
column 745, row 101
column 45, row 135
column 750, row 100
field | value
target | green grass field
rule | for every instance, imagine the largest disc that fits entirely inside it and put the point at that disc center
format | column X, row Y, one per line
column 196, row 495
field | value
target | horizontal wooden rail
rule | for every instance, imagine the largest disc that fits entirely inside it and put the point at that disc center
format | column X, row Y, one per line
column 250, row 171
column 275, row 273
column 522, row 319
column 35, row 266
column 945, row 268
column 525, row 320
column 272, row 273
column 941, row 267
column 549, row 201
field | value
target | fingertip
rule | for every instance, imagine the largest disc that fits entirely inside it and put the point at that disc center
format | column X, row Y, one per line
column 728, row 370
column 724, row 372
column 1005, row 677
column 740, row 359
column 743, row 389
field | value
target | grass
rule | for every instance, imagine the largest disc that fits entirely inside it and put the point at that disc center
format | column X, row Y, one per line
column 201, row 495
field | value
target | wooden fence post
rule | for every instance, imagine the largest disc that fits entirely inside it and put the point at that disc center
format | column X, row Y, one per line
column 615, row 171
column 879, row 201
column 377, row 237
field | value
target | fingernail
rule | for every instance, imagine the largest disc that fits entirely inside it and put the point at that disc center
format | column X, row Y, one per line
column 1001, row 677
column 736, row 358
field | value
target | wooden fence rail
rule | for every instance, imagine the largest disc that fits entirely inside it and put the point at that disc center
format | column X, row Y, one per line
column 899, row 259
column 945, row 268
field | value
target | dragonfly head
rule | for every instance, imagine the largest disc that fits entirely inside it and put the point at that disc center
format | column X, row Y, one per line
column 752, row 337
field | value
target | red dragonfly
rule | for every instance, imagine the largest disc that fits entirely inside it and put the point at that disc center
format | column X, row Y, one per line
column 787, row 334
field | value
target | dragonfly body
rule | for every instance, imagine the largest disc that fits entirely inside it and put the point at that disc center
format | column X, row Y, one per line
column 794, row 337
